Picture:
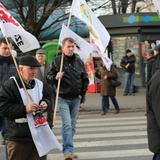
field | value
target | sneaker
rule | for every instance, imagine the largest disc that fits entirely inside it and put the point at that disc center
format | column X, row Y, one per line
column 124, row 94
column 132, row 94
column 74, row 156
column 68, row 156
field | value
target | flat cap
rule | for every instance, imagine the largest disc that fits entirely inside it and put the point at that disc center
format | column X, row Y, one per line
column 128, row 50
column 29, row 61
column 40, row 51
column 157, row 48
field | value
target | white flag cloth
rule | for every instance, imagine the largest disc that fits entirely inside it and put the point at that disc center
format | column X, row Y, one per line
column 82, row 47
column 157, row 5
column 80, row 9
column 106, row 60
column 11, row 28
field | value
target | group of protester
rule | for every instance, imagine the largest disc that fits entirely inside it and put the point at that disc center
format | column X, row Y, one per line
column 39, row 80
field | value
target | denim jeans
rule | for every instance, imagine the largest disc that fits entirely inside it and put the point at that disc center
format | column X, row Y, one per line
column 105, row 102
column 69, row 113
column 156, row 156
column 128, row 82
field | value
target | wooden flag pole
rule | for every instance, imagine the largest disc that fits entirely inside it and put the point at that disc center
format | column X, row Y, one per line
column 59, row 81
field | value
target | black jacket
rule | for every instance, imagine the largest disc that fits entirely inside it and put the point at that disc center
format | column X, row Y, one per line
column 150, row 63
column 75, row 79
column 7, row 68
column 12, row 107
column 128, row 60
column 153, row 112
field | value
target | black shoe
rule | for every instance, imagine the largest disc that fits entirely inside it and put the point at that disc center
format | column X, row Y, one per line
column 124, row 94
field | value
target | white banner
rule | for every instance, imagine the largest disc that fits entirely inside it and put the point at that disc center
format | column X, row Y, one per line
column 81, row 10
column 11, row 28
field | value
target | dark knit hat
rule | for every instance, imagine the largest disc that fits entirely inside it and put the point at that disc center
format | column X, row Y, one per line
column 29, row 61
column 157, row 48
column 150, row 51
column 128, row 50
column 40, row 51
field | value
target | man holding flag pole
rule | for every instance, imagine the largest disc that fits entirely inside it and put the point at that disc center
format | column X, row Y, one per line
column 74, row 83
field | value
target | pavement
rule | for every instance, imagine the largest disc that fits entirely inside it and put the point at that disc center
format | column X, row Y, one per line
column 127, row 103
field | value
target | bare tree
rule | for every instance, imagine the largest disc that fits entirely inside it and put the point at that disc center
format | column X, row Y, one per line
column 34, row 14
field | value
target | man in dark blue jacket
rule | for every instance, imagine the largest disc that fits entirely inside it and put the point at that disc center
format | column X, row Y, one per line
column 7, row 69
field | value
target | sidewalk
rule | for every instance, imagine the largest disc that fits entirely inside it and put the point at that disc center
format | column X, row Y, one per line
column 126, row 103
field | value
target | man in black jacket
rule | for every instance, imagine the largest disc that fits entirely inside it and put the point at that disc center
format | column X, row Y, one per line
column 128, row 63
column 73, row 86
column 153, row 114
column 14, row 106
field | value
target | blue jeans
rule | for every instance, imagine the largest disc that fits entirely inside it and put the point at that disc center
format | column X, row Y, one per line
column 128, row 82
column 105, row 102
column 156, row 156
column 69, row 113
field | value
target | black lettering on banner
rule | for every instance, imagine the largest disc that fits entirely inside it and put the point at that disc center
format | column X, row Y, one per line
column 18, row 40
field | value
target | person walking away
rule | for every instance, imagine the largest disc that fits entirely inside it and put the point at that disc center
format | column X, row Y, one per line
column 41, row 75
column 14, row 108
column 107, row 90
column 73, row 87
column 150, row 61
column 128, row 63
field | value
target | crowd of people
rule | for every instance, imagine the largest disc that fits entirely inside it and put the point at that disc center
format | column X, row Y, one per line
column 32, row 86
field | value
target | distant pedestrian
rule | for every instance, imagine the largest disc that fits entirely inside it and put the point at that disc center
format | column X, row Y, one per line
column 156, row 63
column 128, row 63
column 150, row 61
column 107, row 90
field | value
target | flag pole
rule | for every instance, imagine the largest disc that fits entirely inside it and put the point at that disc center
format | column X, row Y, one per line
column 29, row 100
column 59, row 81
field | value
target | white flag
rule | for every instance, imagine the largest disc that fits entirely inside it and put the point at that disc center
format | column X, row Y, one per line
column 80, row 9
column 11, row 28
column 82, row 47
column 157, row 5
column 106, row 60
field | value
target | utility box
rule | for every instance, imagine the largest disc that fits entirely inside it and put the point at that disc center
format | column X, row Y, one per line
column 51, row 50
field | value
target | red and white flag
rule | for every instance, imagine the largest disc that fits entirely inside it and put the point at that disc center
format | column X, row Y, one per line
column 11, row 28
column 82, row 47
column 81, row 10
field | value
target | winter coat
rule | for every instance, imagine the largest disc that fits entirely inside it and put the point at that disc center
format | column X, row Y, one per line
column 75, row 79
column 150, row 63
column 128, row 60
column 12, row 108
column 106, row 87
column 153, row 112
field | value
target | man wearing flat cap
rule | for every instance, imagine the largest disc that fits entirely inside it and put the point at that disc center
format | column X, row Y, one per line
column 41, row 75
column 14, row 108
